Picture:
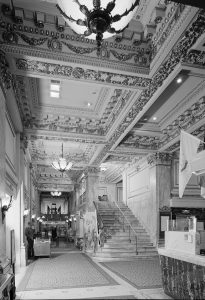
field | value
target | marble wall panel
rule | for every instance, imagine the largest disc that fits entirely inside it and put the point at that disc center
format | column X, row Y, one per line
column 141, row 199
column 182, row 280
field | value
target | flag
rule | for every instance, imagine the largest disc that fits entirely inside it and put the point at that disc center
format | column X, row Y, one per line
column 188, row 149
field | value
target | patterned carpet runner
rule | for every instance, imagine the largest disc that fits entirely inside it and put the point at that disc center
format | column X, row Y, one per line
column 141, row 273
column 67, row 270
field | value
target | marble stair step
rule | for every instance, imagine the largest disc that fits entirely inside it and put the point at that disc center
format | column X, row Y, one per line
column 128, row 258
column 128, row 249
column 126, row 245
column 123, row 254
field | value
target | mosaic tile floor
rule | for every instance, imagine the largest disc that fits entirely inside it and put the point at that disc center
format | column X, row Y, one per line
column 140, row 273
column 67, row 270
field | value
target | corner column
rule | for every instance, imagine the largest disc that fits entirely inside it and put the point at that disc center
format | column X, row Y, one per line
column 160, row 176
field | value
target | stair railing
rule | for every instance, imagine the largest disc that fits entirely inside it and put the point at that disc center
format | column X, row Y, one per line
column 99, row 217
column 129, row 226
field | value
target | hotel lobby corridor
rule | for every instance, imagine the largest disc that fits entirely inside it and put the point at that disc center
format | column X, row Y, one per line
column 72, row 274
column 102, row 152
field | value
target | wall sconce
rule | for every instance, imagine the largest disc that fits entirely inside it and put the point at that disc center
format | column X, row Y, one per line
column 6, row 204
column 33, row 217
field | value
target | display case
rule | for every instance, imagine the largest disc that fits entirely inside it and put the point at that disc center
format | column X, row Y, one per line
column 42, row 247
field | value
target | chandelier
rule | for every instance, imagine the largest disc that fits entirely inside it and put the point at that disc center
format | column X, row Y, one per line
column 56, row 194
column 61, row 164
column 97, row 18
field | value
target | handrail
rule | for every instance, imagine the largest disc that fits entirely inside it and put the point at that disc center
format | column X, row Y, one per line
column 130, row 226
column 98, row 214
column 125, row 218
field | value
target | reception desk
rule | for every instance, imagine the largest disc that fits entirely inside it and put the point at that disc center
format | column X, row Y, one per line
column 42, row 247
column 182, row 274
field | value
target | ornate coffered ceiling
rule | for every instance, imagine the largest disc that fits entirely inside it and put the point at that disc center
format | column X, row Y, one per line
column 113, row 109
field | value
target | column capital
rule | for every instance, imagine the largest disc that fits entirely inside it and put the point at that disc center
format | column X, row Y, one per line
column 91, row 170
column 160, row 158
column 24, row 141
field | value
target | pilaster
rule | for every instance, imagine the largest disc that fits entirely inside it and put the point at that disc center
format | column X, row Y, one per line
column 92, row 186
column 160, row 172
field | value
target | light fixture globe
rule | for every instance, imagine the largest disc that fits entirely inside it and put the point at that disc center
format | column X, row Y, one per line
column 56, row 193
column 61, row 164
column 97, row 19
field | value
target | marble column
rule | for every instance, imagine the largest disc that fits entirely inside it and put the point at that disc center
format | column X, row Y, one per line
column 160, row 177
column 92, row 187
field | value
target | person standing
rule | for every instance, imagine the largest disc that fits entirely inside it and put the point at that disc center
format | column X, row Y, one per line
column 29, row 232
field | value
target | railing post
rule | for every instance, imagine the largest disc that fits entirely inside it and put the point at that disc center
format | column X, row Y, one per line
column 136, row 245
column 123, row 223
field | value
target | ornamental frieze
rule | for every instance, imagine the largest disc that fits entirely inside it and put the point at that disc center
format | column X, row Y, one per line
column 195, row 57
column 118, row 158
column 6, row 22
column 195, row 113
column 88, row 140
column 5, row 74
column 81, row 74
column 198, row 132
column 67, row 128
column 91, row 170
column 166, row 26
column 140, row 142
column 139, row 58
column 77, row 49
column 63, row 42
column 159, row 158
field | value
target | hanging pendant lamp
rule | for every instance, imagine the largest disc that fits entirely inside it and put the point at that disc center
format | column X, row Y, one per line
column 97, row 19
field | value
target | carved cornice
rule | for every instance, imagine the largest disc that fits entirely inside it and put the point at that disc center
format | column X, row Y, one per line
column 159, row 158
column 188, row 13
column 187, row 119
column 77, row 73
column 119, row 158
column 195, row 57
column 25, row 50
column 166, row 26
column 34, row 136
column 141, row 142
column 176, row 55
column 188, row 100
column 5, row 74
column 48, row 187
column 91, row 170
column 199, row 132
column 111, row 53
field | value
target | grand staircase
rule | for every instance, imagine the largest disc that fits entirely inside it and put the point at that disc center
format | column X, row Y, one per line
column 126, row 237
